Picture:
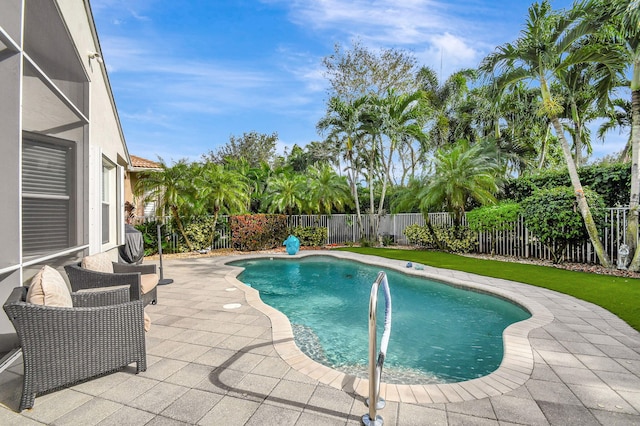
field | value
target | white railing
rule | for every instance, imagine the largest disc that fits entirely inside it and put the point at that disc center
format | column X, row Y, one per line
column 518, row 241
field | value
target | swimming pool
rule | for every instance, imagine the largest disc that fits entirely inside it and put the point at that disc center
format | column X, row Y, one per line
column 440, row 333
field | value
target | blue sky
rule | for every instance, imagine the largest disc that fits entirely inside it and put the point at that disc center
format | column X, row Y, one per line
column 187, row 74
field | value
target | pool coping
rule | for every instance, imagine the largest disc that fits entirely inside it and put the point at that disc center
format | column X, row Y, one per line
column 514, row 370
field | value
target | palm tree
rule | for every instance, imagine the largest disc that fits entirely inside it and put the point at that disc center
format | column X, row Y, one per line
column 286, row 193
column 327, row 190
column 444, row 101
column 510, row 119
column 623, row 19
column 408, row 197
column 225, row 191
column 620, row 118
column 545, row 48
column 578, row 87
column 342, row 122
column 255, row 178
column 400, row 117
column 176, row 189
column 462, row 173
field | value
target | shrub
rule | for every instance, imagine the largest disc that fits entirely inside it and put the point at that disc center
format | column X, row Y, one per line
column 419, row 235
column 494, row 220
column 311, row 236
column 258, row 231
column 150, row 237
column 461, row 240
column 553, row 217
column 366, row 242
column 198, row 230
column 388, row 240
column 611, row 181
column 499, row 217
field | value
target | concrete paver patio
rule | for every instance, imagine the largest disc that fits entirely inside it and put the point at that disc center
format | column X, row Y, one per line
column 571, row 363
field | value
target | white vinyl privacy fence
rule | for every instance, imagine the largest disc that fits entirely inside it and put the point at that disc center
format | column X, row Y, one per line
column 518, row 242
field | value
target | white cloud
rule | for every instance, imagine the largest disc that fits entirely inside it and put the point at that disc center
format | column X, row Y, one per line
column 434, row 30
column 448, row 53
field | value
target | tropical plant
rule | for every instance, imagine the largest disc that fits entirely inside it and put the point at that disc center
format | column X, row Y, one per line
column 342, row 123
column 286, row 193
column 461, row 240
column 401, row 118
column 494, row 219
column 548, row 45
column 621, row 119
column 622, row 19
column 311, row 236
column 577, row 89
column 407, row 198
column 225, row 191
column 176, row 189
column 550, row 215
column 444, row 101
column 327, row 190
column 463, row 173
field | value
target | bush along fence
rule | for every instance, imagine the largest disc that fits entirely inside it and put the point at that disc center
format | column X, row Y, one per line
column 256, row 232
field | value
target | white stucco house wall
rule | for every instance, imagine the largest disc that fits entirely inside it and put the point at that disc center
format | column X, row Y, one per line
column 62, row 150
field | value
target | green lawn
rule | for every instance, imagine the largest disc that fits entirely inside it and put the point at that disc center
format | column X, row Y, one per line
column 616, row 294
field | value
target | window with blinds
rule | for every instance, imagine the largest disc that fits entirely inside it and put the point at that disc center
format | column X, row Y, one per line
column 48, row 202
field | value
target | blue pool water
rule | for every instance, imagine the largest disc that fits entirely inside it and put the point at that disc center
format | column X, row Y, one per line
column 439, row 333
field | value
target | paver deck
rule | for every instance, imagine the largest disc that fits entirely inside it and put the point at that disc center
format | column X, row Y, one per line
column 211, row 362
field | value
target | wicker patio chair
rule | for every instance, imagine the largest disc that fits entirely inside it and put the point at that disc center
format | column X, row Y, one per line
column 81, row 279
column 102, row 333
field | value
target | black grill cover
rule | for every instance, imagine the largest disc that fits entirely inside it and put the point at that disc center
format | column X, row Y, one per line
column 133, row 249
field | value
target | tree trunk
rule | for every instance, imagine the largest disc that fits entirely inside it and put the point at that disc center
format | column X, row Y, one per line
column 385, row 182
column 373, row 228
column 632, row 219
column 577, row 139
column 439, row 244
column 583, row 206
column 543, row 150
column 213, row 227
column 354, row 192
column 176, row 216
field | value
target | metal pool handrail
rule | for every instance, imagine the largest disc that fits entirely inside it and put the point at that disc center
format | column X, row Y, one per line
column 375, row 367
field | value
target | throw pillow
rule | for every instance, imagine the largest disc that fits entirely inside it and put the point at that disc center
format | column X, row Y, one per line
column 100, row 262
column 49, row 288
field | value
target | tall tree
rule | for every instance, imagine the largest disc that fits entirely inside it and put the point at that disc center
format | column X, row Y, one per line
column 254, row 147
column 621, row 119
column 357, row 72
column 444, row 100
column 176, row 188
column 578, row 88
column 225, row 191
column 547, row 46
column 401, row 117
column 342, row 123
column 623, row 18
